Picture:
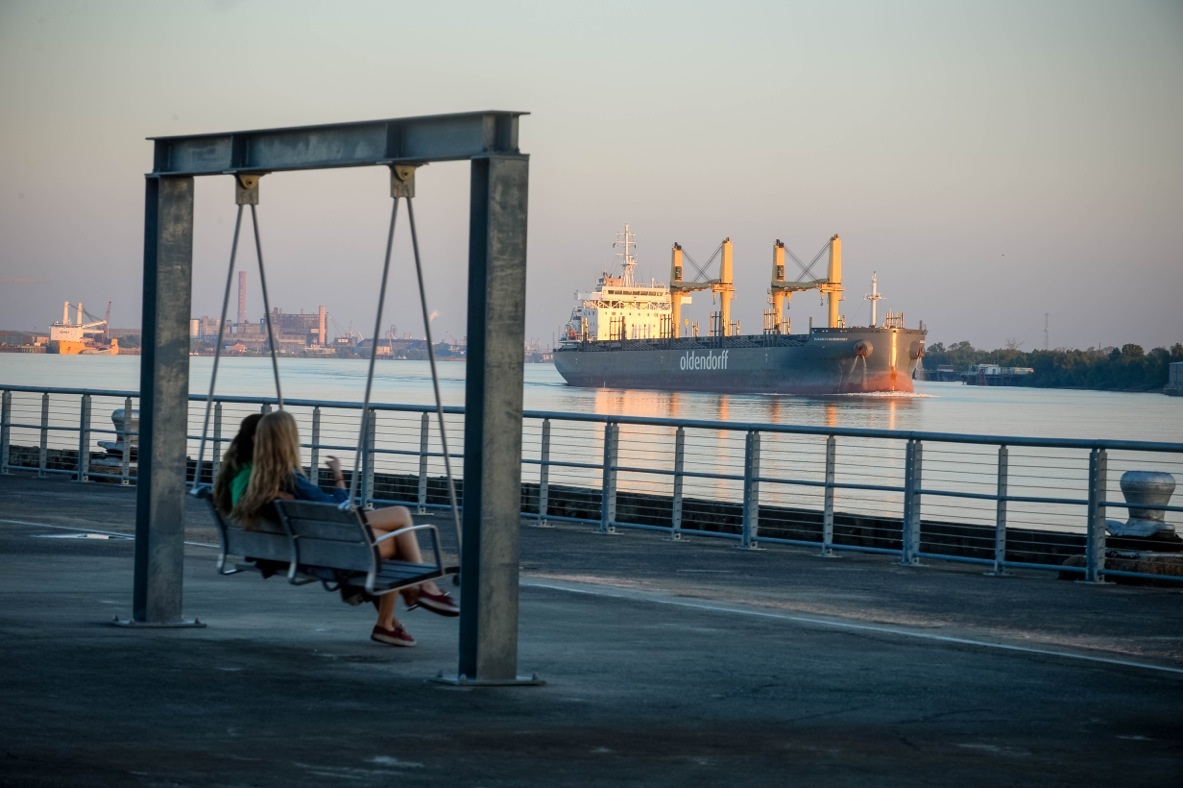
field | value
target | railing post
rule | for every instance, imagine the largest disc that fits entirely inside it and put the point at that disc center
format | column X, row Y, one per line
column 828, row 511
column 999, row 569
column 910, row 534
column 608, row 494
column 5, row 430
column 750, row 536
column 314, row 457
column 84, row 438
column 424, row 446
column 367, row 460
column 215, row 461
column 43, row 444
column 544, row 475
column 1094, row 548
column 679, row 482
column 125, row 460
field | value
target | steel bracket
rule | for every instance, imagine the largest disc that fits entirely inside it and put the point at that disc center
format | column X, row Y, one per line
column 246, row 188
column 402, row 180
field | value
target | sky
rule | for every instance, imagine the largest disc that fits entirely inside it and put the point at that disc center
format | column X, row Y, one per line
column 1012, row 171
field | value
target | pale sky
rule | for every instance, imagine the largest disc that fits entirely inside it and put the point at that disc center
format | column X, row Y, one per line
column 993, row 162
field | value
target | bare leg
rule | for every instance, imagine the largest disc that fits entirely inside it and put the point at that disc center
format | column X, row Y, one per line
column 405, row 546
column 386, row 618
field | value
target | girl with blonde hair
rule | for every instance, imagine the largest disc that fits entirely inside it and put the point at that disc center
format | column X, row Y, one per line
column 275, row 473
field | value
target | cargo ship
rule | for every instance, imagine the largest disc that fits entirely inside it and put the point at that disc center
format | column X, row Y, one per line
column 82, row 338
column 625, row 335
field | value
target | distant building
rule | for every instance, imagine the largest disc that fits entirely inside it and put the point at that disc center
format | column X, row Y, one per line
column 18, row 339
column 304, row 329
column 204, row 327
column 293, row 332
column 1174, row 385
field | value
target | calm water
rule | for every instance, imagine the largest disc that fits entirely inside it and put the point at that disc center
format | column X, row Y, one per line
column 937, row 407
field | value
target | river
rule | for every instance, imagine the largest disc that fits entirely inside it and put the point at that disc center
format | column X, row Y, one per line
column 935, row 407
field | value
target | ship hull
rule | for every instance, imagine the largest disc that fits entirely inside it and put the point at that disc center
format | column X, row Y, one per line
column 66, row 347
column 825, row 361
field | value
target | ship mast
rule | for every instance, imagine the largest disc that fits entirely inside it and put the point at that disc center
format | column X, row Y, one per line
column 625, row 240
column 874, row 296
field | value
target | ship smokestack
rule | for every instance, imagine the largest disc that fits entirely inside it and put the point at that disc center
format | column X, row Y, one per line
column 242, row 299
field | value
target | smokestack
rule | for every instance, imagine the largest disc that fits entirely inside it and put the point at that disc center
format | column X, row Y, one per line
column 241, row 298
column 321, row 326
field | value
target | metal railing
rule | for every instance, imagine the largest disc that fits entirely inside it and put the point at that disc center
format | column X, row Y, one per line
column 1001, row 502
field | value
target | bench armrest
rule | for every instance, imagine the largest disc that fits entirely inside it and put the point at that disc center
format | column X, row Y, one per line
column 435, row 538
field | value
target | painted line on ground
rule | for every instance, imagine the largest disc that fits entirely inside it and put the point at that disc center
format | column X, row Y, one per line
column 116, row 534
column 662, row 599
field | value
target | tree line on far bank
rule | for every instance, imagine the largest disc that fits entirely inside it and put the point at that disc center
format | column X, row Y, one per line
column 1128, row 368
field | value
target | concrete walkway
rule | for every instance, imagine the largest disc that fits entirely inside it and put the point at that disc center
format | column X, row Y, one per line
column 667, row 664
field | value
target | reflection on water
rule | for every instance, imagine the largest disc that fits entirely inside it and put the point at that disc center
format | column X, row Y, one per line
column 895, row 412
column 937, row 407
column 641, row 403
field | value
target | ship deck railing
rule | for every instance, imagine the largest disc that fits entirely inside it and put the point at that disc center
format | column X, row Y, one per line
column 1003, row 502
column 686, row 343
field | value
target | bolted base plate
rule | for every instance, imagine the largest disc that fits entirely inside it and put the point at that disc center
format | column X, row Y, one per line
column 131, row 623
column 460, row 680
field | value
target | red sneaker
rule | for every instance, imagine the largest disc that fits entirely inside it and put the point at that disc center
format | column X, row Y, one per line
column 392, row 637
column 441, row 604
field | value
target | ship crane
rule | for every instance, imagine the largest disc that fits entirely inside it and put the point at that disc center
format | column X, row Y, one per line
column 95, row 322
column 722, row 286
column 782, row 289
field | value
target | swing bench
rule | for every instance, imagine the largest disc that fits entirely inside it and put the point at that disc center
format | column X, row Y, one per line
column 327, row 542
column 323, row 542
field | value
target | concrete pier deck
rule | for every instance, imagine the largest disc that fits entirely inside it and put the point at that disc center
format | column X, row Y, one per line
column 666, row 664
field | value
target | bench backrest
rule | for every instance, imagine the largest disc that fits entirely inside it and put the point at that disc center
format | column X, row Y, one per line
column 324, row 535
column 268, row 542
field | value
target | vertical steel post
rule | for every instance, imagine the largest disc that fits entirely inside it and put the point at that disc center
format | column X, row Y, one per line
column 679, row 483
column 750, row 537
column 84, row 438
column 368, row 457
column 999, row 569
column 910, row 534
column 43, row 443
column 215, row 463
column 544, row 475
column 424, row 447
column 164, row 401
column 125, row 457
column 608, row 480
column 490, row 552
column 314, row 454
column 1094, row 549
column 828, row 510
column 5, row 429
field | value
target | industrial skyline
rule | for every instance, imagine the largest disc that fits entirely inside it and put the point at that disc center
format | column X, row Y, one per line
column 1011, row 172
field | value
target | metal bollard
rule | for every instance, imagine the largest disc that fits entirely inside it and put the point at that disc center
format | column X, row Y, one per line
column 1146, row 493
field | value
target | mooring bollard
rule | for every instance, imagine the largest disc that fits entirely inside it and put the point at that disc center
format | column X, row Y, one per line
column 1146, row 494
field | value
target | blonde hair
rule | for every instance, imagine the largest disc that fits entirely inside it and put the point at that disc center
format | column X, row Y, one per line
column 276, row 461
